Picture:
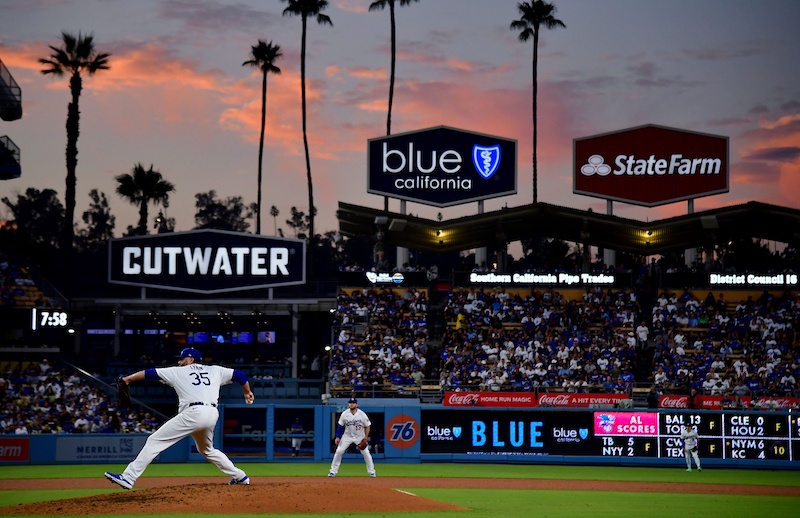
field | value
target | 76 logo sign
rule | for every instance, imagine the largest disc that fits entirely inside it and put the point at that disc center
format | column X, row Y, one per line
column 402, row 431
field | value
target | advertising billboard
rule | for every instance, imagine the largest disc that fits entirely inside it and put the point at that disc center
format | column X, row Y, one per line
column 206, row 261
column 650, row 165
column 442, row 166
column 610, row 433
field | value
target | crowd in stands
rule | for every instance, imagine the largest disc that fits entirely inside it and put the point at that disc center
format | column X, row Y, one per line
column 17, row 288
column 604, row 341
column 719, row 347
column 382, row 339
column 502, row 341
column 38, row 397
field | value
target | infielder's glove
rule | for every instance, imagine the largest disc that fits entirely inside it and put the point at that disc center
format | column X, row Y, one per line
column 695, row 449
column 123, row 392
column 363, row 444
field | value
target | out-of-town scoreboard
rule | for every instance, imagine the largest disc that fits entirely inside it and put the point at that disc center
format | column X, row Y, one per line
column 722, row 435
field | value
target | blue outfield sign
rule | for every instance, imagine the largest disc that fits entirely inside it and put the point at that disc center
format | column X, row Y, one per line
column 442, row 166
column 207, row 261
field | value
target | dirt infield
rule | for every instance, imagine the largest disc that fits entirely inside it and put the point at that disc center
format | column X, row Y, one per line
column 315, row 495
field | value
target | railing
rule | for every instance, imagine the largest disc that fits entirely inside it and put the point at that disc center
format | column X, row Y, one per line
column 10, row 96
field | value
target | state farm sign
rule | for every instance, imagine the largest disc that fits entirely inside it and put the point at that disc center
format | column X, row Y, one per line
column 650, row 165
column 442, row 166
column 206, row 261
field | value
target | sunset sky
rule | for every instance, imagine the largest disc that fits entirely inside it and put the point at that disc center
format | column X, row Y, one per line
column 178, row 97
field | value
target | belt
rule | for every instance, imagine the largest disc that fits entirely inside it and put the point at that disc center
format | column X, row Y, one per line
column 201, row 403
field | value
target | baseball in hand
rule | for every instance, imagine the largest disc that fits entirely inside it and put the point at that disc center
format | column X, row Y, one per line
column 249, row 399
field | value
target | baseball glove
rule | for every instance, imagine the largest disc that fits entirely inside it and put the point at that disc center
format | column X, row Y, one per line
column 363, row 444
column 123, row 392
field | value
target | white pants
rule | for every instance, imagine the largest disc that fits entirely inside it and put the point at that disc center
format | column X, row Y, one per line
column 689, row 456
column 199, row 422
column 345, row 443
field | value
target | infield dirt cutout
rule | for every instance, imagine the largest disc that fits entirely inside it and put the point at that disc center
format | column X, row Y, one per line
column 288, row 495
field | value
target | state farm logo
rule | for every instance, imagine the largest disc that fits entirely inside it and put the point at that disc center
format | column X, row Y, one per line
column 595, row 165
column 674, row 402
column 554, row 400
column 652, row 166
column 456, row 399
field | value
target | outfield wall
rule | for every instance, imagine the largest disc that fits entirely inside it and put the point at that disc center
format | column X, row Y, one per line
column 404, row 431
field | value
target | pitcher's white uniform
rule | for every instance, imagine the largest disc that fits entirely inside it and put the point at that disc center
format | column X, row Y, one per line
column 197, row 386
column 353, row 424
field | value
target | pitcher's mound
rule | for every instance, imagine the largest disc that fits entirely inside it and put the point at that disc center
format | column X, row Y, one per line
column 331, row 496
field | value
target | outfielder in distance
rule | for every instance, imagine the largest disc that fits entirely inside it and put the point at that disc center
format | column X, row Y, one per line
column 353, row 428
column 197, row 386
column 689, row 437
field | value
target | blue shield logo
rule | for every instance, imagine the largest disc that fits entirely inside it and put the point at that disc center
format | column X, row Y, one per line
column 486, row 159
column 584, row 433
column 457, row 431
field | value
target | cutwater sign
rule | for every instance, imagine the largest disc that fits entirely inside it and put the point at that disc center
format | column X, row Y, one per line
column 442, row 166
column 206, row 261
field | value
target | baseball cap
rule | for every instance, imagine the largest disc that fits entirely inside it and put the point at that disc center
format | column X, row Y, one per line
column 191, row 352
column 353, row 400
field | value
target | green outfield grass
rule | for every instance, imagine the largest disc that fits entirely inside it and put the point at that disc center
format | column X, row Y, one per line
column 484, row 503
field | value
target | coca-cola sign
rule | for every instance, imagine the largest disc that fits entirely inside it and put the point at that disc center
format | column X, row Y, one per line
column 650, row 165
column 524, row 399
column 717, row 402
column 672, row 401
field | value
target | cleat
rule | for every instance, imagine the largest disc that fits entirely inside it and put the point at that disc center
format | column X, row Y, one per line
column 118, row 480
column 373, row 475
column 331, row 474
column 688, row 469
column 245, row 480
column 699, row 468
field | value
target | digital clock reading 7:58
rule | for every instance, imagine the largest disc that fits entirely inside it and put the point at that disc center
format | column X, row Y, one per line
column 47, row 319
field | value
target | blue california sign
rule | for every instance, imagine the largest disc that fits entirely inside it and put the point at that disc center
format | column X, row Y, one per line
column 442, row 166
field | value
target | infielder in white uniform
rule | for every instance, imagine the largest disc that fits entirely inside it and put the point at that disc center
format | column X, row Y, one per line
column 197, row 386
column 352, row 428
column 689, row 437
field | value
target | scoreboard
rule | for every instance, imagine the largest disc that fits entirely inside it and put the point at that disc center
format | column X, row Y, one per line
column 722, row 435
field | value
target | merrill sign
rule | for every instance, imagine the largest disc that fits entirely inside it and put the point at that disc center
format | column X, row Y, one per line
column 650, row 165
column 206, row 261
column 442, row 166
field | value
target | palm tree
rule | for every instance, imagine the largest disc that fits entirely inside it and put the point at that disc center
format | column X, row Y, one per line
column 263, row 56
column 274, row 212
column 304, row 9
column 76, row 56
column 535, row 14
column 374, row 6
column 141, row 187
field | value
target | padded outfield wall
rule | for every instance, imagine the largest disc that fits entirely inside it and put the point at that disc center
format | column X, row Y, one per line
column 404, row 431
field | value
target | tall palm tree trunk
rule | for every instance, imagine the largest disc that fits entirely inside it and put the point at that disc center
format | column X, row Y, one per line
column 310, row 261
column 535, row 108
column 261, row 149
column 73, row 130
column 391, row 74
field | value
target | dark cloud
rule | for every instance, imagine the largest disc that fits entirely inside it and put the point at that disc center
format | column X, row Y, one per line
column 778, row 154
column 758, row 109
column 744, row 50
column 728, row 122
column 791, row 106
column 217, row 16
column 646, row 75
